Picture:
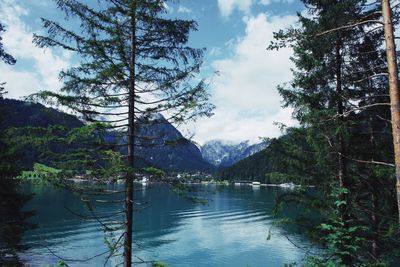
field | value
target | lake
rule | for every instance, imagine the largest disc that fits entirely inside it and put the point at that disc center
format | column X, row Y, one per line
column 232, row 229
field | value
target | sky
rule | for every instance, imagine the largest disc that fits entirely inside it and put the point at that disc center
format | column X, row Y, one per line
column 243, row 75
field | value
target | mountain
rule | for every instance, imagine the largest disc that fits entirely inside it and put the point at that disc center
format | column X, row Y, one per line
column 252, row 168
column 159, row 144
column 288, row 158
column 17, row 113
column 224, row 154
column 163, row 146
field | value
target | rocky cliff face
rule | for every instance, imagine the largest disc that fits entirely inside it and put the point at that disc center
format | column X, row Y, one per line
column 223, row 154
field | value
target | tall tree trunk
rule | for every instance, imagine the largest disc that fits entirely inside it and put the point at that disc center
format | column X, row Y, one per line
column 131, row 144
column 375, row 222
column 342, row 171
column 374, row 196
column 393, row 90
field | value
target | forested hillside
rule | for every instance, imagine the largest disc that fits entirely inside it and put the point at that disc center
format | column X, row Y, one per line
column 165, row 147
column 18, row 113
column 287, row 159
column 24, row 121
column 224, row 154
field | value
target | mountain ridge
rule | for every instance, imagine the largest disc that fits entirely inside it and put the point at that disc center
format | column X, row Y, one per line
column 161, row 144
column 222, row 153
column 170, row 151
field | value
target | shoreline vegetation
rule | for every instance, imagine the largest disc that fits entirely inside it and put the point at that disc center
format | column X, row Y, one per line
column 146, row 180
column 146, row 176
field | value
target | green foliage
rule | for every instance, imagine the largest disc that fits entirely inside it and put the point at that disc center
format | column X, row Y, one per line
column 69, row 152
column 60, row 263
column 340, row 104
column 19, row 113
column 4, row 56
column 134, row 63
column 330, row 262
column 39, row 172
column 278, row 178
column 158, row 62
column 187, row 192
column 223, row 182
column 289, row 158
column 13, row 216
column 342, row 240
column 154, row 171
column 159, row 264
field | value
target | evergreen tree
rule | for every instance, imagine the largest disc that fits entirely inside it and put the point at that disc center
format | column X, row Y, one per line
column 393, row 89
column 5, row 57
column 12, row 216
column 135, row 63
column 339, row 94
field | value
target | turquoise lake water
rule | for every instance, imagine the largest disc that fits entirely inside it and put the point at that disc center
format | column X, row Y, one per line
column 232, row 229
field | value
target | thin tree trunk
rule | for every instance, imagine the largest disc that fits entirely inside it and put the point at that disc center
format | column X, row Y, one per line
column 374, row 198
column 375, row 223
column 393, row 90
column 131, row 135
column 342, row 172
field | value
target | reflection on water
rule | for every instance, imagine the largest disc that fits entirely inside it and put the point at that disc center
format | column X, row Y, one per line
column 231, row 230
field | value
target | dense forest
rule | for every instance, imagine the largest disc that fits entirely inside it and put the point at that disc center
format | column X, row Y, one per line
column 287, row 159
column 339, row 94
column 344, row 146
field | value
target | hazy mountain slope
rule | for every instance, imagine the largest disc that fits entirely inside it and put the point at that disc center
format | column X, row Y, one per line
column 223, row 154
column 164, row 146
column 19, row 113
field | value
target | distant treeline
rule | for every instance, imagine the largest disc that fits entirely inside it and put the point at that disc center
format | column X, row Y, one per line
column 284, row 160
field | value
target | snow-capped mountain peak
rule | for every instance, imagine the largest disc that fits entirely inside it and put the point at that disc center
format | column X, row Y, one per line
column 226, row 153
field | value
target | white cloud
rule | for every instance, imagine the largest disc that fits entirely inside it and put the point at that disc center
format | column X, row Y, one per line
column 183, row 9
column 245, row 92
column 268, row 2
column 22, row 79
column 18, row 83
column 227, row 6
column 215, row 51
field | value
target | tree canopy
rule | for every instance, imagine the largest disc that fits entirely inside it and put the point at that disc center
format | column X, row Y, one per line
column 134, row 64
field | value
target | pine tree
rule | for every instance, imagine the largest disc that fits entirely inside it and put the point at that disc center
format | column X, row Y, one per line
column 5, row 57
column 12, row 214
column 393, row 89
column 135, row 63
column 339, row 94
